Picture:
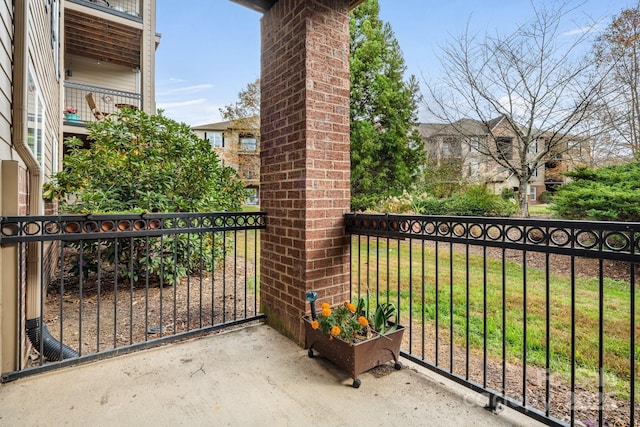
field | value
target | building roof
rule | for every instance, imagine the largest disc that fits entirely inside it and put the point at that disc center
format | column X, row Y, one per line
column 263, row 6
column 215, row 126
column 467, row 127
column 226, row 125
column 429, row 129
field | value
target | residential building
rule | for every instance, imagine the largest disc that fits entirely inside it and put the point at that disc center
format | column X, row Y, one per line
column 237, row 143
column 464, row 146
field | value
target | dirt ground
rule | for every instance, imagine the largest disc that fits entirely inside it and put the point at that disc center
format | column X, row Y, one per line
column 99, row 316
column 102, row 315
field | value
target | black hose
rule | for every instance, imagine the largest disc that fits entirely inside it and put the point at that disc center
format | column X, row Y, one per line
column 52, row 349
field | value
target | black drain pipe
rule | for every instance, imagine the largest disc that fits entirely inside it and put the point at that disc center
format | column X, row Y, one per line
column 52, row 349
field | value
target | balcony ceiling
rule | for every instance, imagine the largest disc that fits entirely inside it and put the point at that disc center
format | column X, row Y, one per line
column 264, row 5
column 100, row 39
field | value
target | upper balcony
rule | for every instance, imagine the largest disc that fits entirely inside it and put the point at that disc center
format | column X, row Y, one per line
column 108, row 31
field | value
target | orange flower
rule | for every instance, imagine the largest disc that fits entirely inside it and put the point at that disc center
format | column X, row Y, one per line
column 325, row 305
column 315, row 324
column 351, row 307
column 335, row 330
column 326, row 311
column 363, row 321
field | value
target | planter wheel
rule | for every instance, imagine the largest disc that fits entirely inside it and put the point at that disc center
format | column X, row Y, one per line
column 397, row 365
column 356, row 383
column 310, row 353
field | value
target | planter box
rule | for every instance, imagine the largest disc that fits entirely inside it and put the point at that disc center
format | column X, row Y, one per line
column 355, row 358
column 72, row 117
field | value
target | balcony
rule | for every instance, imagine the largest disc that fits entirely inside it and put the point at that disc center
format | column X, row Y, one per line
column 107, row 100
column 108, row 31
column 248, row 376
column 126, row 8
column 537, row 316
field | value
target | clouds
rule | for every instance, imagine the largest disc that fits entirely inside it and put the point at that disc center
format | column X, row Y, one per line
column 188, row 103
column 208, row 52
column 186, row 89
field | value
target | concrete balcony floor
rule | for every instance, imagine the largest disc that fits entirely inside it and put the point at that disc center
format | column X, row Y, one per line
column 252, row 376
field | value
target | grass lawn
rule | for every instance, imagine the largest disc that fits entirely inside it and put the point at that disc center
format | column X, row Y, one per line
column 460, row 284
column 415, row 279
column 539, row 210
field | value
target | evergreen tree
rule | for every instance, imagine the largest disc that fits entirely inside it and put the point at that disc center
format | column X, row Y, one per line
column 386, row 149
column 606, row 194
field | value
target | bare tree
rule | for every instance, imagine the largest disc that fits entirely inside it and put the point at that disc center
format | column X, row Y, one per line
column 533, row 85
column 617, row 54
column 245, row 117
column 245, row 112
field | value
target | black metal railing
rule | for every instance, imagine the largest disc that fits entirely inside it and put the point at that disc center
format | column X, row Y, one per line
column 126, row 8
column 538, row 315
column 115, row 283
column 107, row 101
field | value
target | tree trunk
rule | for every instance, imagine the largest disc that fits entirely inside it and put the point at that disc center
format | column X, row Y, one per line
column 523, row 198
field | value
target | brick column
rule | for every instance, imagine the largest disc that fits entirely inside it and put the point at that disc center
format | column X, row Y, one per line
column 305, row 164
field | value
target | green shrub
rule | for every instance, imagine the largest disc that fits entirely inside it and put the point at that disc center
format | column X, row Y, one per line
column 396, row 204
column 508, row 194
column 146, row 163
column 479, row 201
column 428, row 205
column 545, row 197
column 607, row 194
column 474, row 201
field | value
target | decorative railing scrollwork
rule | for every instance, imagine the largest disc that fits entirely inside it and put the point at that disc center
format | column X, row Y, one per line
column 85, row 227
column 592, row 239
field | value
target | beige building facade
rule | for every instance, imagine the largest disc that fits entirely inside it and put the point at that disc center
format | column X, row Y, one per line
column 464, row 146
column 237, row 143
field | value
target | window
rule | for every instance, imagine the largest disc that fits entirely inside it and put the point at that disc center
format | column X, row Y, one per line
column 505, row 148
column 248, row 143
column 55, row 34
column 532, row 193
column 54, row 155
column 216, row 139
column 252, row 198
column 474, row 142
column 248, row 172
column 451, row 147
column 474, row 169
column 533, row 170
column 35, row 118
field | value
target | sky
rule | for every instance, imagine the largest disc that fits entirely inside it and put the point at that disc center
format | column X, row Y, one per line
column 210, row 49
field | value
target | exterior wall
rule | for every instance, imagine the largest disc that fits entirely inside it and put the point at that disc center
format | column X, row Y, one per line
column 148, row 55
column 233, row 156
column 48, row 77
column 6, row 62
column 304, row 158
column 9, row 193
column 20, row 184
column 229, row 153
column 111, row 76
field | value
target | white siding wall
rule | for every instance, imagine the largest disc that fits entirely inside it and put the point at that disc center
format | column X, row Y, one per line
column 41, row 59
column 6, row 60
column 88, row 71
